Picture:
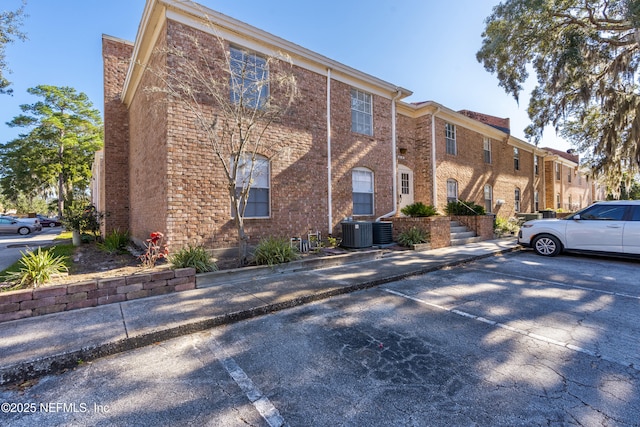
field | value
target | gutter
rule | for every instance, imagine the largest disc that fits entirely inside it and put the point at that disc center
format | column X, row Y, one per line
column 434, row 180
column 394, row 156
column 329, row 171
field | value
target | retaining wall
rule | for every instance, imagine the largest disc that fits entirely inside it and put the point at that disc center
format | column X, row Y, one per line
column 52, row 299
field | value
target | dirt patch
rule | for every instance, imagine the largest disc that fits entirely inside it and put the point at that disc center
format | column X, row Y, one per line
column 89, row 262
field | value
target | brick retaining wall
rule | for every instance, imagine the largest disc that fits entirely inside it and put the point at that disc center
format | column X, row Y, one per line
column 438, row 228
column 52, row 299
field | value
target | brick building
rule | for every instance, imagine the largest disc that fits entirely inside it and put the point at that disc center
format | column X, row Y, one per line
column 353, row 148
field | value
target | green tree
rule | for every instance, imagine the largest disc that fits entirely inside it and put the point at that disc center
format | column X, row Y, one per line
column 9, row 31
column 56, row 155
column 585, row 55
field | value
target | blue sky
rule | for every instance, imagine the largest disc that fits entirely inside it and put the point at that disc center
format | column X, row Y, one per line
column 425, row 46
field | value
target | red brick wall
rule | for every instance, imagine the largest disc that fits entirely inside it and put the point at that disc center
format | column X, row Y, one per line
column 114, row 183
column 178, row 184
column 148, row 156
column 351, row 150
column 438, row 227
column 468, row 168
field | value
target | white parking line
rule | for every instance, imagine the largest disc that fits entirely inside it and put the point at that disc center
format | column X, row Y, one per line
column 262, row 404
column 512, row 329
column 551, row 282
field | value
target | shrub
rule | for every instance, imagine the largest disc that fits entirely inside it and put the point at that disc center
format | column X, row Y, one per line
column 193, row 257
column 413, row 236
column 503, row 226
column 464, row 208
column 274, row 250
column 419, row 209
column 37, row 268
column 115, row 242
column 156, row 250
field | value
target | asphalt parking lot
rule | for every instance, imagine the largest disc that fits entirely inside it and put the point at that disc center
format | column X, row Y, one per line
column 512, row 340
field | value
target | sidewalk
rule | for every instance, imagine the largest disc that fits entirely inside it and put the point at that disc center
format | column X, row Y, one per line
column 46, row 344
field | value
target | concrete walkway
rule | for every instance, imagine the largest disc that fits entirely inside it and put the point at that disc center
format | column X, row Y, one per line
column 47, row 344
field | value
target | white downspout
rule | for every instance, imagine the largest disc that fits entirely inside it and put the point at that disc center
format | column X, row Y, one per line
column 394, row 157
column 434, row 187
column 329, row 178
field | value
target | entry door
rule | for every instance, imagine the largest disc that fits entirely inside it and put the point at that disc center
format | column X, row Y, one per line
column 405, row 186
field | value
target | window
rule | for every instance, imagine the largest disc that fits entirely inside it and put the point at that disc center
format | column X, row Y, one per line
column 635, row 213
column 487, row 150
column 568, row 174
column 257, row 205
column 404, row 183
column 361, row 112
column 517, row 199
column 516, row 158
column 450, row 138
column 558, row 201
column 536, row 202
column 362, row 184
column 249, row 79
column 488, row 198
column 536, row 164
column 604, row 213
column 452, row 190
column 557, row 171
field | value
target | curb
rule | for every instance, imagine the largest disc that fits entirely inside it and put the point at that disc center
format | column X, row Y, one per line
column 55, row 364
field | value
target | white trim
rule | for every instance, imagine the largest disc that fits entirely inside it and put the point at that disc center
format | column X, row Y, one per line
column 329, row 167
column 191, row 14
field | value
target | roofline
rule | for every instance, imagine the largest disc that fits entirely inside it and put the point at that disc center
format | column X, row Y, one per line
column 156, row 12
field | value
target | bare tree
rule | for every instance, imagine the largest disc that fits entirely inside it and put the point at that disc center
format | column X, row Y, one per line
column 234, row 96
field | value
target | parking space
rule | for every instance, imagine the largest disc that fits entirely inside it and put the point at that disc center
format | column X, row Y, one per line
column 512, row 340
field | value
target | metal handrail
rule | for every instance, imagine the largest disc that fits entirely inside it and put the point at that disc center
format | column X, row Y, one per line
column 466, row 206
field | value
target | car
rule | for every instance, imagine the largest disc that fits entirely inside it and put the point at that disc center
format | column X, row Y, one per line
column 611, row 227
column 9, row 224
column 48, row 222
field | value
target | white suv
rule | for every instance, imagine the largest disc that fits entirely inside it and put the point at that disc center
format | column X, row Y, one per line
column 609, row 227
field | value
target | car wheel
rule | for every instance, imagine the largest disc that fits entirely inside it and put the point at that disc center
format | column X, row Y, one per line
column 547, row 245
column 24, row 231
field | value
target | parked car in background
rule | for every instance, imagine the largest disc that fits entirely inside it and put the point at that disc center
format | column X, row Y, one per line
column 34, row 221
column 48, row 222
column 604, row 227
column 9, row 224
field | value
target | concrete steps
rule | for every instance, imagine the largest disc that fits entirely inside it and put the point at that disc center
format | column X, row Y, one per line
column 460, row 235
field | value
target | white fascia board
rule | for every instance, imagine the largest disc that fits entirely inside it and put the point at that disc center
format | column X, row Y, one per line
column 154, row 14
column 453, row 117
column 242, row 34
column 526, row 146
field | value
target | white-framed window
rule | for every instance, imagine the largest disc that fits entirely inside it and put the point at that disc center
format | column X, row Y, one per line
column 516, row 197
column 405, row 183
column 569, row 174
column 361, row 112
column 488, row 198
column 516, row 158
column 557, row 171
column 450, row 138
column 249, row 78
column 558, row 204
column 452, row 190
column 362, row 187
column 536, row 164
column 536, row 201
column 487, row 150
column 257, row 179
